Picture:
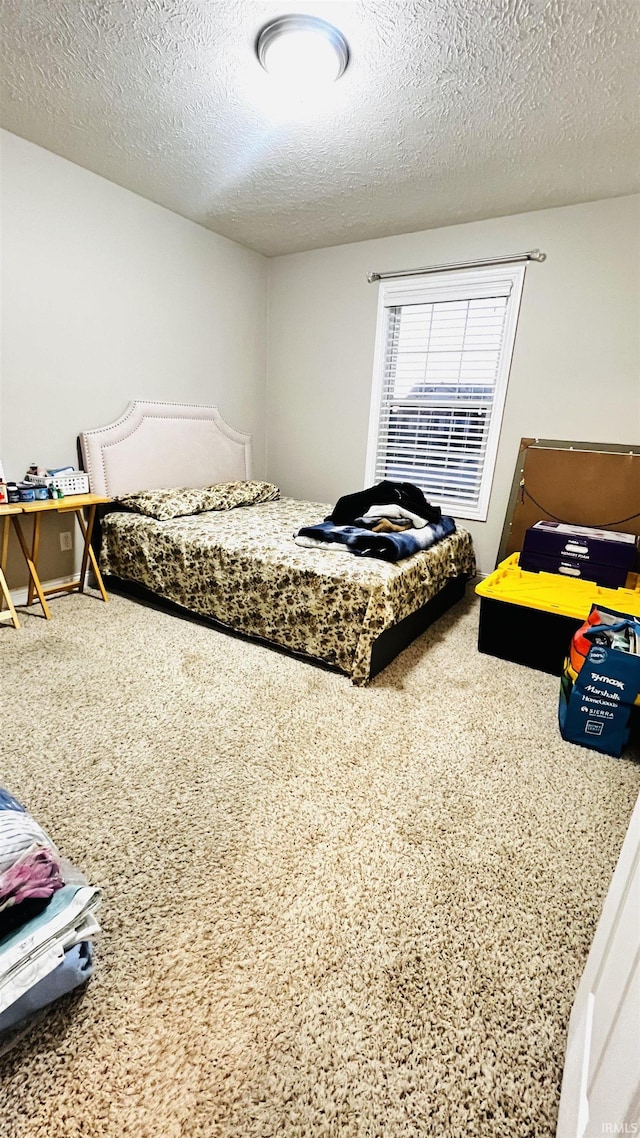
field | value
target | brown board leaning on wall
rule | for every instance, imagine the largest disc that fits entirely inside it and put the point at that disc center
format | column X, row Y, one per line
column 586, row 484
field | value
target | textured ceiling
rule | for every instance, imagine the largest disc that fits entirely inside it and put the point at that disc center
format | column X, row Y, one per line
column 450, row 110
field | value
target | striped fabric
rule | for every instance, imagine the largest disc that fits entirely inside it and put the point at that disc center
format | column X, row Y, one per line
column 18, row 831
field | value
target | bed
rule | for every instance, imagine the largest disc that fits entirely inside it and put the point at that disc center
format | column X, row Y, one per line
column 240, row 567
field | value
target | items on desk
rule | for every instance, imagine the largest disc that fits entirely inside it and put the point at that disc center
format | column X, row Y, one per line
column 39, row 484
column 29, row 492
column 59, row 481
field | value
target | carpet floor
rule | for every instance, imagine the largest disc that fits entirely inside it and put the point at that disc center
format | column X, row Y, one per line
column 328, row 911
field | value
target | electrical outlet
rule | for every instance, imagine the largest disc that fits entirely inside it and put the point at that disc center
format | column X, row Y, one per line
column 65, row 541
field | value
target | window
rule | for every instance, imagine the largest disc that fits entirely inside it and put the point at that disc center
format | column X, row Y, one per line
column 443, row 353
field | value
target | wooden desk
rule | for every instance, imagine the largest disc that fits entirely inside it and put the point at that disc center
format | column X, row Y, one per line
column 74, row 504
column 6, row 511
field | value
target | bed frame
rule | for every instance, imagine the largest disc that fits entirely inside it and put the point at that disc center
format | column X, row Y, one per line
column 154, row 445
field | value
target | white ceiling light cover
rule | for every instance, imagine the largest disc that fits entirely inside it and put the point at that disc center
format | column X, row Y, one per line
column 302, row 51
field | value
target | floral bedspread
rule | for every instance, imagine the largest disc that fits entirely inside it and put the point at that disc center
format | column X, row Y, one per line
column 243, row 568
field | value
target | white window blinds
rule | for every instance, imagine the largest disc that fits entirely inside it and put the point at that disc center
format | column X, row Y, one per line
column 442, row 364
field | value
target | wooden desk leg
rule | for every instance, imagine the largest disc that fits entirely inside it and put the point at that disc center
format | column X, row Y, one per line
column 88, row 529
column 6, row 595
column 86, row 532
column 35, row 549
column 31, row 567
column 4, row 588
column 5, row 542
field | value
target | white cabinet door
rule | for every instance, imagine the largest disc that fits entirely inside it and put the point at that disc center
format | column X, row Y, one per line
column 601, row 1081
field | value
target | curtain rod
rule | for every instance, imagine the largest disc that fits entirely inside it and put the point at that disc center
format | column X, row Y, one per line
column 532, row 255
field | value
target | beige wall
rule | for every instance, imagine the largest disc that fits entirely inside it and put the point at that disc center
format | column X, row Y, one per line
column 107, row 298
column 576, row 365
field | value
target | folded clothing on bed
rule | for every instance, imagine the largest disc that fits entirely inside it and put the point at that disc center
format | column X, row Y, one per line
column 390, row 512
column 366, row 543
column 352, row 506
column 387, row 525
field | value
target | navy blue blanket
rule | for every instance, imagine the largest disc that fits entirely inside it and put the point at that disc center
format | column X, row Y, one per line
column 388, row 546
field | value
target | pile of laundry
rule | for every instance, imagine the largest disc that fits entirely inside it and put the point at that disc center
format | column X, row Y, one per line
column 391, row 520
column 47, row 920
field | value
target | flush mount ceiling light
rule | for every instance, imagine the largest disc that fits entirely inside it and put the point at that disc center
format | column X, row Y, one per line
column 302, row 51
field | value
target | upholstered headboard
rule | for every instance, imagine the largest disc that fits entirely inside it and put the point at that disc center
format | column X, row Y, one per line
column 156, row 445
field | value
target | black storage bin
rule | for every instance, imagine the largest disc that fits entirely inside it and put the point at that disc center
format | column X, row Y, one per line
column 528, row 636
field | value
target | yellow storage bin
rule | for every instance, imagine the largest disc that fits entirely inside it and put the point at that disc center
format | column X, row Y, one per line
column 529, row 618
column 554, row 593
